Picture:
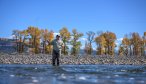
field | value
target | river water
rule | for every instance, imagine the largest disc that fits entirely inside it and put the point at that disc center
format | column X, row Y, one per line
column 72, row 74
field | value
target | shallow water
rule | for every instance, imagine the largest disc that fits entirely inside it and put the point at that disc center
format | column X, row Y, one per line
column 72, row 74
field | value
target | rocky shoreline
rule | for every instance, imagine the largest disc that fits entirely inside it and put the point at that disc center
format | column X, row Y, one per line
column 46, row 59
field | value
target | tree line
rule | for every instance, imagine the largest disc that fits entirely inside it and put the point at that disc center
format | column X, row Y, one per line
column 133, row 44
column 36, row 39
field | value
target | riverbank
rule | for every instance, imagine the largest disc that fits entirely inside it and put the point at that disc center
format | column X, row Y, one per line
column 46, row 59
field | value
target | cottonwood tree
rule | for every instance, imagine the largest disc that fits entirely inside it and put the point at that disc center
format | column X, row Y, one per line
column 46, row 36
column 65, row 35
column 126, row 45
column 20, row 37
column 135, row 41
column 87, row 48
column 144, row 38
column 90, row 39
column 35, row 34
column 110, row 38
column 24, row 37
column 50, row 38
column 143, row 44
column 101, row 44
column 134, row 44
column 75, row 41
column 106, row 43
column 121, row 50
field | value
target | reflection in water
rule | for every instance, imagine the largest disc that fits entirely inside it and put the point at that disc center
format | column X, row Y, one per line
column 72, row 74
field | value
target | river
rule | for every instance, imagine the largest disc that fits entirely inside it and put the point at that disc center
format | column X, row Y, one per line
column 72, row 74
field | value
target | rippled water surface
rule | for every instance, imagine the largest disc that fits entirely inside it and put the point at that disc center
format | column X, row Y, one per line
column 72, row 74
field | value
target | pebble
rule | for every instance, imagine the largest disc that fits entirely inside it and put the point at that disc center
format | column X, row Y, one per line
column 46, row 59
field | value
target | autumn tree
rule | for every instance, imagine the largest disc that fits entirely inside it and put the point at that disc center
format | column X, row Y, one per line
column 142, row 50
column 126, row 45
column 143, row 44
column 44, row 38
column 20, row 37
column 90, row 39
column 65, row 34
column 50, row 38
column 144, row 39
column 136, row 41
column 24, row 35
column 110, row 38
column 35, row 34
column 75, row 41
column 106, row 43
column 134, row 44
column 101, row 44
column 121, row 50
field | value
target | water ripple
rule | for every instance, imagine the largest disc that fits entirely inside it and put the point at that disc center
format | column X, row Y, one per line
column 72, row 74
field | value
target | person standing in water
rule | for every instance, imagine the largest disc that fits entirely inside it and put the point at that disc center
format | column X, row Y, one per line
column 57, row 46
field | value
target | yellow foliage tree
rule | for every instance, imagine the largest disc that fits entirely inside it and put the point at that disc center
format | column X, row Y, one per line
column 144, row 38
column 106, row 41
column 126, row 43
column 35, row 34
column 121, row 50
column 24, row 34
column 44, row 37
column 50, row 38
column 101, row 44
column 135, row 45
column 136, row 41
column 65, row 34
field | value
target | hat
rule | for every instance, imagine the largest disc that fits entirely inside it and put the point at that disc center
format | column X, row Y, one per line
column 57, row 35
